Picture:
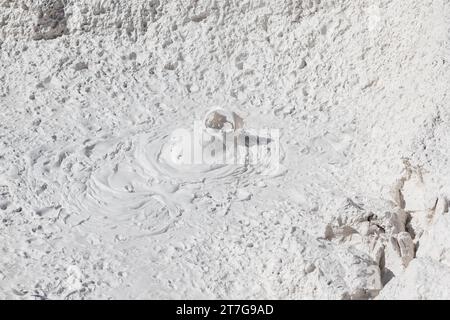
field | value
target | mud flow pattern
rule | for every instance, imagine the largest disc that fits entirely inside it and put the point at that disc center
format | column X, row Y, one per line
column 139, row 184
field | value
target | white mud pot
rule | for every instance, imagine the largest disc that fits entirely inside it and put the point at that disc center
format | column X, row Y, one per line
column 270, row 149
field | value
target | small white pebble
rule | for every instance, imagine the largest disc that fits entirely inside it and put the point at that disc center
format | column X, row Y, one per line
column 243, row 195
column 193, row 88
column 260, row 184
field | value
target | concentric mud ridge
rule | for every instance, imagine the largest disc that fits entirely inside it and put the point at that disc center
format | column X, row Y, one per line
column 132, row 185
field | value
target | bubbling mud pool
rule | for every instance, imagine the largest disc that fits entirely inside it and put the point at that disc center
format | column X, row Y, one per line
column 140, row 184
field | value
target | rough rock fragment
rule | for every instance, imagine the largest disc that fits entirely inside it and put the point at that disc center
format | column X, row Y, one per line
column 424, row 278
column 51, row 20
column 434, row 243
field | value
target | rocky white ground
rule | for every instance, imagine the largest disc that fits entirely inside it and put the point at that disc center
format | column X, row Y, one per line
column 89, row 91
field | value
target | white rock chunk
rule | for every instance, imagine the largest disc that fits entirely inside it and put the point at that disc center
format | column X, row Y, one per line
column 424, row 278
column 435, row 241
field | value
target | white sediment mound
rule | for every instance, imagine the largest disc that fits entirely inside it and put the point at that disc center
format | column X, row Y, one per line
column 324, row 170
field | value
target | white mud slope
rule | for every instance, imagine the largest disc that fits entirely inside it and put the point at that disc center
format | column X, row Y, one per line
column 96, row 202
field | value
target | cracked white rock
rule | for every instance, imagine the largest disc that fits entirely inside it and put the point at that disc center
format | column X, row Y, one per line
column 424, row 278
column 435, row 241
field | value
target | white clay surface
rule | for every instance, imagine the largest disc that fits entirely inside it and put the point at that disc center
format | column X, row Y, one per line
column 97, row 199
